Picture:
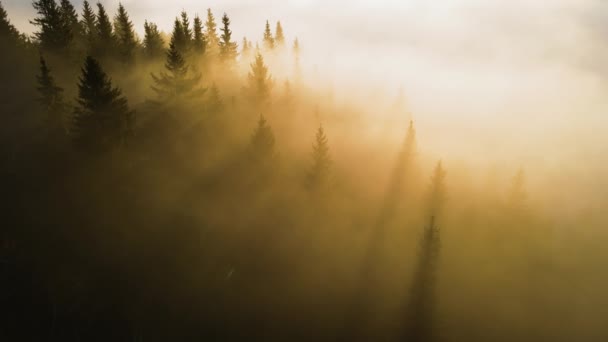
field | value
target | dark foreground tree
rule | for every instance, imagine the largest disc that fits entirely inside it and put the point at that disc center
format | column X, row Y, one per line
column 102, row 119
column 53, row 33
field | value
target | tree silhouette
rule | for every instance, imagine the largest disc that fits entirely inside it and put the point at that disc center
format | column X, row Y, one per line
column 153, row 42
column 176, row 82
column 259, row 81
column 102, row 119
column 245, row 49
column 51, row 99
column 125, row 36
column 228, row 48
column 214, row 101
column 106, row 41
column 268, row 39
column 199, row 42
column 70, row 21
column 89, row 27
column 211, row 35
column 178, row 38
column 8, row 32
column 319, row 173
column 279, row 37
column 186, row 28
column 54, row 33
column 420, row 310
column 262, row 143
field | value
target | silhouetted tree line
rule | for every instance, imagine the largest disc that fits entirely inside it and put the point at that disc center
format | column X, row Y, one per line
column 176, row 216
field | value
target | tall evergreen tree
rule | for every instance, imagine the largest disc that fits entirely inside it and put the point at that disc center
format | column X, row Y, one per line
column 51, row 98
column 262, row 143
column 102, row 119
column 319, row 173
column 259, row 81
column 178, row 38
column 211, row 35
column 279, row 36
column 176, row 83
column 228, row 48
column 245, row 49
column 420, row 311
column 8, row 32
column 125, row 35
column 89, row 27
column 153, row 41
column 70, row 19
column 268, row 39
column 199, row 42
column 186, row 28
column 105, row 35
column 54, row 34
column 296, row 56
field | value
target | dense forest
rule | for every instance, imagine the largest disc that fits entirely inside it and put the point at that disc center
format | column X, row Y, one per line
column 195, row 186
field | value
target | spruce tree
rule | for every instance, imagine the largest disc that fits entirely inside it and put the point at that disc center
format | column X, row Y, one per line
column 102, row 119
column 268, row 39
column 89, row 27
column 51, row 99
column 211, row 35
column 262, row 143
column 178, row 38
column 228, row 48
column 54, row 34
column 279, row 37
column 105, row 35
column 125, row 35
column 319, row 173
column 70, row 19
column 153, row 42
column 420, row 311
column 176, row 83
column 199, row 42
column 259, row 81
column 8, row 32
column 186, row 29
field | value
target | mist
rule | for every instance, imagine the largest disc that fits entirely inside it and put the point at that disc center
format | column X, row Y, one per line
column 352, row 170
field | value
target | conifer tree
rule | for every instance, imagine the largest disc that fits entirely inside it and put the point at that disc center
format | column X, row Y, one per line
column 186, row 28
column 245, row 49
column 318, row 175
column 228, row 48
column 199, row 42
column 259, row 81
column 153, row 41
column 70, row 19
column 419, row 319
column 268, row 39
column 214, row 102
column 105, row 35
column 51, row 98
column 176, row 83
column 8, row 32
column 279, row 36
column 102, row 119
column 297, row 66
column 89, row 26
column 178, row 38
column 262, row 143
column 211, row 35
column 54, row 34
column 125, row 36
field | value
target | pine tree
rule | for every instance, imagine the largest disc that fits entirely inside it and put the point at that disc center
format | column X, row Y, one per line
column 105, row 35
column 297, row 66
column 268, row 39
column 228, row 48
column 245, row 49
column 178, row 37
column 176, row 83
column 153, row 41
column 199, row 42
column 214, row 102
column 211, row 35
column 186, row 29
column 420, row 315
column 102, row 119
column 89, row 26
column 279, row 37
column 262, row 143
column 8, row 32
column 51, row 98
column 318, row 175
column 70, row 19
column 54, row 34
column 125, row 36
column 259, row 81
